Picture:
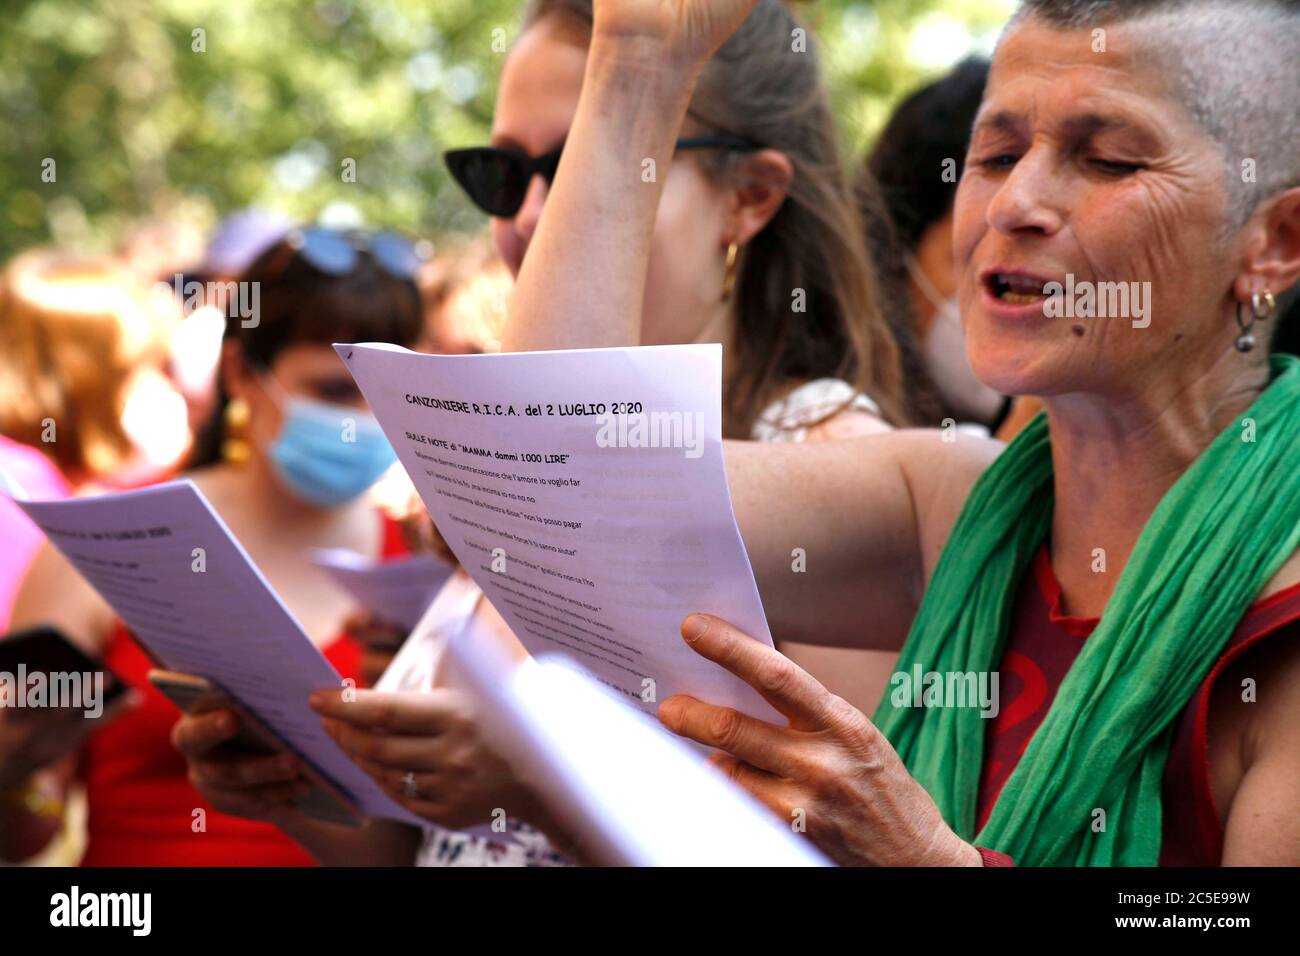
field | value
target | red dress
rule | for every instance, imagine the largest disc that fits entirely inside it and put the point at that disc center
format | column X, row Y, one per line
column 1041, row 646
column 141, row 803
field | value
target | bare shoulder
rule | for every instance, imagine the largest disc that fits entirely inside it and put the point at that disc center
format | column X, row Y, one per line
column 940, row 471
column 1262, row 827
column 1256, row 717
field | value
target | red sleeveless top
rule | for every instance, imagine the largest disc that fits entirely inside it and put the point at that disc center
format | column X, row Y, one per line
column 1041, row 646
column 140, row 800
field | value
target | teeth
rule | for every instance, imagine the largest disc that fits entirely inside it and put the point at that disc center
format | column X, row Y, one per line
column 1022, row 298
column 1021, row 284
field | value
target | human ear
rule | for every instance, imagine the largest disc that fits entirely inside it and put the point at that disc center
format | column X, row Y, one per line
column 1272, row 258
column 762, row 183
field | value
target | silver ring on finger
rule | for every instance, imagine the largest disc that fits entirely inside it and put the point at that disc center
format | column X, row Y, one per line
column 408, row 785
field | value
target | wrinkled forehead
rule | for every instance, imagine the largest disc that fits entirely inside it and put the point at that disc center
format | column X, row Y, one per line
column 1044, row 67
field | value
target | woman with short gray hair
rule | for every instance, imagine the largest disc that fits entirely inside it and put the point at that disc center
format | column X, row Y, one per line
column 1118, row 591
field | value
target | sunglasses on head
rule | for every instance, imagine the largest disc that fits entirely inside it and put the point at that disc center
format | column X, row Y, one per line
column 336, row 252
column 496, row 178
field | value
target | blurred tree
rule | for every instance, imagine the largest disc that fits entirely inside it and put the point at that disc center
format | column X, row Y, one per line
column 113, row 110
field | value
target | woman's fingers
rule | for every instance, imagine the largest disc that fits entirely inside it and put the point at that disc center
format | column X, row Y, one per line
column 754, row 741
column 404, row 752
column 394, row 713
column 770, row 790
column 245, row 784
column 245, row 772
column 248, row 785
column 261, row 803
column 783, row 684
column 432, row 796
column 398, row 782
column 197, row 735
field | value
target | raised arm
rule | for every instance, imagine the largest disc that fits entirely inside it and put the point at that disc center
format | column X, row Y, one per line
column 582, row 281
column 870, row 515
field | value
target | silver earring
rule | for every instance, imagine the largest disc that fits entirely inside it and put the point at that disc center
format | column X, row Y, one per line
column 1262, row 306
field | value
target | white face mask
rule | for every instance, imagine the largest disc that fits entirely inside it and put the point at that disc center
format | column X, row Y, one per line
column 944, row 352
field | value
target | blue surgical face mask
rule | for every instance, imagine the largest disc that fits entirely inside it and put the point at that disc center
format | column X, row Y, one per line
column 329, row 454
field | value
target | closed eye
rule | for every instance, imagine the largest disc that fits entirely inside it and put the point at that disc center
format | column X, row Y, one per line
column 1001, row 161
column 1113, row 168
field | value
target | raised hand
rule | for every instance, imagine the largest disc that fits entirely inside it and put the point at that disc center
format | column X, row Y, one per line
column 688, row 31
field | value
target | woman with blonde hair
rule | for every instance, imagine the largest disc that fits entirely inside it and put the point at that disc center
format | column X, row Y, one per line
column 74, row 334
column 81, row 342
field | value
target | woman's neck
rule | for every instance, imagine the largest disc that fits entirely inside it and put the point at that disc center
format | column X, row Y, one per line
column 258, row 500
column 720, row 326
column 1114, row 460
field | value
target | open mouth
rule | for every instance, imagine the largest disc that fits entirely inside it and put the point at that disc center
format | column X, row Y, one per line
column 1016, row 289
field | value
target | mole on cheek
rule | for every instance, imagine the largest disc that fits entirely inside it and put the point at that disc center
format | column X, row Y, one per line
column 1077, row 329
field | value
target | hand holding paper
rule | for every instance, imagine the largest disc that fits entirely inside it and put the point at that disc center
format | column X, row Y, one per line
column 629, row 793
column 825, row 766
column 169, row 567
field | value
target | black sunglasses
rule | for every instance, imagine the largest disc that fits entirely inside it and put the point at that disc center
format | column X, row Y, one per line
column 497, row 178
column 336, row 252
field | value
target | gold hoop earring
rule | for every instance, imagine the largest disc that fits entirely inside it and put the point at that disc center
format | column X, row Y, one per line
column 729, row 277
column 1262, row 306
column 235, row 448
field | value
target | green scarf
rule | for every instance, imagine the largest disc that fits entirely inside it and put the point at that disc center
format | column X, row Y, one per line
column 1217, row 537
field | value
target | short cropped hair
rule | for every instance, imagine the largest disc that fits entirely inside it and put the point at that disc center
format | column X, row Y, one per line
column 1236, row 65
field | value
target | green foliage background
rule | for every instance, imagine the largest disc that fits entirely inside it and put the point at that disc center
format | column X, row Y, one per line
column 138, row 123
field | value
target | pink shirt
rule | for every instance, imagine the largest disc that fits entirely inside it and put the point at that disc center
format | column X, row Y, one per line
column 19, row 538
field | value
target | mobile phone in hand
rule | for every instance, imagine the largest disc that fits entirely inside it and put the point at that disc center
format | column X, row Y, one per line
column 197, row 695
column 66, row 668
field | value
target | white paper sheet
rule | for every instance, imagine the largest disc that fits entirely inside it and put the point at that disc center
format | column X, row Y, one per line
column 539, row 471
column 633, row 794
column 398, row 590
column 142, row 550
column 415, row 665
